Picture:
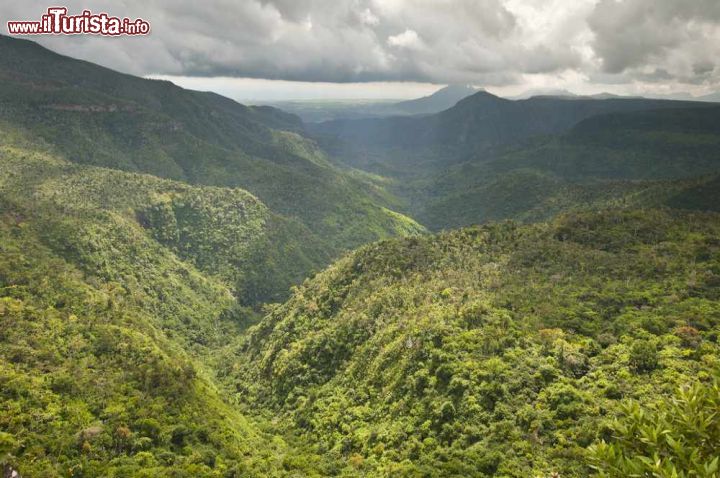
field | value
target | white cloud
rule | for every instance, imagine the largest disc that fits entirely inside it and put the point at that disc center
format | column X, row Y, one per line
column 407, row 39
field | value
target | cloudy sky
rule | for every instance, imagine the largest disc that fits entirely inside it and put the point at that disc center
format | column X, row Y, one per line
column 405, row 48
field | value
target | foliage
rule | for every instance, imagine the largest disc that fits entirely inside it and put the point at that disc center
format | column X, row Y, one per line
column 91, row 382
column 111, row 306
column 676, row 437
column 492, row 351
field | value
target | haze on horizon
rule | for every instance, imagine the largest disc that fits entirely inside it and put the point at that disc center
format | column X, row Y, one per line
column 273, row 50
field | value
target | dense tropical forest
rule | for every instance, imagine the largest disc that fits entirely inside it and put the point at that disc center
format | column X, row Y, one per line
column 190, row 287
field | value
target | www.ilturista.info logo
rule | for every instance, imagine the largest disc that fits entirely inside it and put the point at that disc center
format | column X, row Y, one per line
column 57, row 22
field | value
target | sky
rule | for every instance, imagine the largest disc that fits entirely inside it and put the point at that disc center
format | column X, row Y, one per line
column 310, row 49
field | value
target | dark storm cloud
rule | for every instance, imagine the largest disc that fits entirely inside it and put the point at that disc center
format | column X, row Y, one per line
column 489, row 42
column 337, row 40
column 659, row 39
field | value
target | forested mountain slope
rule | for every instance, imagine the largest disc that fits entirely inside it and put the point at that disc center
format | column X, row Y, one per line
column 655, row 144
column 489, row 158
column 644, row 158
column 492, row 351
column 90, row 385
column 227, row 233
column 91, row 115
column 115, row 288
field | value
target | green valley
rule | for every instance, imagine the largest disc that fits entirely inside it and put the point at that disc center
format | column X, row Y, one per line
column 192, row 287
column 497, row 350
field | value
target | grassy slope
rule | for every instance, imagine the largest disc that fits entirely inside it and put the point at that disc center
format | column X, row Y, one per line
column 492, row 351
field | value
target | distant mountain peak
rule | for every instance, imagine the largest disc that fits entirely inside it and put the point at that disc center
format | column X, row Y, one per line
column 442, row 99
column 604, row 95
column 554, row 92
column 480, row 97
column 455, row 88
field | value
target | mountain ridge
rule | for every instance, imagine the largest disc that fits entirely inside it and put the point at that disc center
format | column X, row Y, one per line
column 92, row 115
column 481, row 120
